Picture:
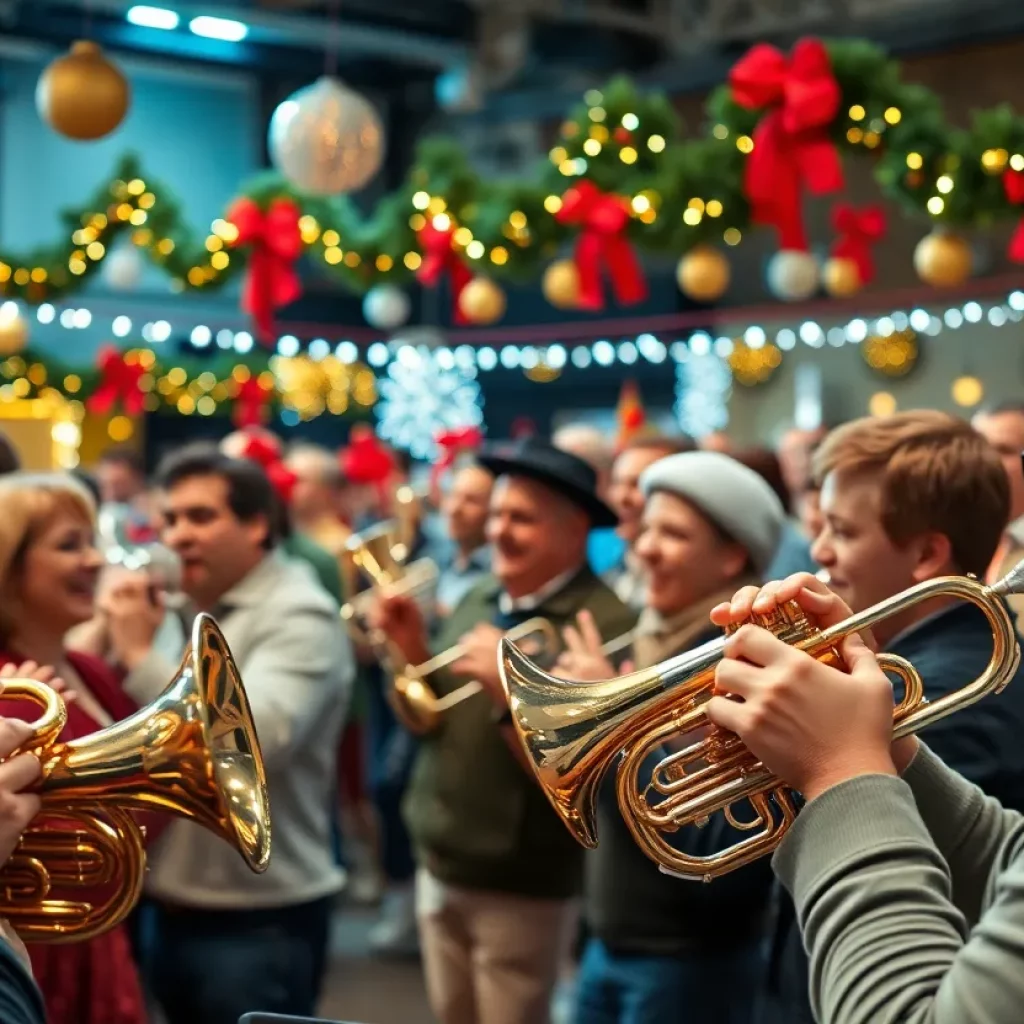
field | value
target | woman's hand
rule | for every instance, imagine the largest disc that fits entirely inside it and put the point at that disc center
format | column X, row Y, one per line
column 41, row 674
column 812, row 725
column 17, row 807
column 583, row 658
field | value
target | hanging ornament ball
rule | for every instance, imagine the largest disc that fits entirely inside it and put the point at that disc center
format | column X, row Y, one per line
column 482, row 301
column 13, row 330
column 326, row 139
column 122, row 269
column 703, row 274
column 82, row 95
column 386, row 307
column 561, row 285
column 943, row 259
column 792, row 275
column 841, row 277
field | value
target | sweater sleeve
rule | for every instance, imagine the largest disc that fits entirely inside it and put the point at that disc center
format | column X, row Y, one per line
column 873, row 896
column 968, row 827
column 20, row 999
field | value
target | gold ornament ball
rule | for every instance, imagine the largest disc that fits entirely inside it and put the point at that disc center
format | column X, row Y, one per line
column 482, row 301
column 943, row 260
column 841, row 278
column 13, row 333
column 703, row 274
column 561, row 285
column 82, row 95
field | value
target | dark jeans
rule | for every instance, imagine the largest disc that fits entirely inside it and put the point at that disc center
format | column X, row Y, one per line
column 213, row 966
column 700, row 988
column 391, row 751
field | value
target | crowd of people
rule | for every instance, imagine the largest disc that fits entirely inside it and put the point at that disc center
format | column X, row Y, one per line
column 893, row 898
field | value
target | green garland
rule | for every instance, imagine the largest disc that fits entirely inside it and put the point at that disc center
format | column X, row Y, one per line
column 197, row 386
column 683, row 192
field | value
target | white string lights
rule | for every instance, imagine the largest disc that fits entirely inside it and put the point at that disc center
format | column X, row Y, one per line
column 601, row 353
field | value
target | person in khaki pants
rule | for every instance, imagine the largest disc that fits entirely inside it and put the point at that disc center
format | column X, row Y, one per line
column 498, row 871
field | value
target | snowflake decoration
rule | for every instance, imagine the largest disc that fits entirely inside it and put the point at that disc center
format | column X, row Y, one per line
column 703, row 385
column 424, row 393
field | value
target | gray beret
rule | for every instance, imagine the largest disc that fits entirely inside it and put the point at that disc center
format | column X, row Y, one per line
column 735, row 498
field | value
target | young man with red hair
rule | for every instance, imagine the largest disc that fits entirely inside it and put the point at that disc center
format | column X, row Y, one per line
column 908, row 498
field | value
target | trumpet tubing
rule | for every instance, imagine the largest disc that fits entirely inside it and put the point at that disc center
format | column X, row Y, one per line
column 572, row 733
column 413, row 700
column 192, row 753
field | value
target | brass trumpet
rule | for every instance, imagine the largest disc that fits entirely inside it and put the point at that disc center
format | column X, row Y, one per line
column 381, row 554
column 417, row 706
column 192, row 753
column 573, row 732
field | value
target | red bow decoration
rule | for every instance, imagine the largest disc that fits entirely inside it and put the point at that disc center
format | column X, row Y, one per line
column 275, row 244
column 119, row 382
column 251, row 401
column 367, row 461
column 1013, row 183
column 264, row 450
column 439, row 258
column 452, row 443
column 791, row 143
column 858, row 230
column 602, row 218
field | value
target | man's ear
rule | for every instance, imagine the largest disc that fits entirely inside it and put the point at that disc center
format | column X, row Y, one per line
column 934, row 556
column 259, row 530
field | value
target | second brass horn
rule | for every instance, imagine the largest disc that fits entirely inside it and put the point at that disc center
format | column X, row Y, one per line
column 572, row 733
column 413, row 699
column 192, row 753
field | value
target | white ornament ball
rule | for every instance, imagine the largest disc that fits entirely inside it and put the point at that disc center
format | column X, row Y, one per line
column 792, row 275
column 387, row 308
column 326, row 139
column 122, row 269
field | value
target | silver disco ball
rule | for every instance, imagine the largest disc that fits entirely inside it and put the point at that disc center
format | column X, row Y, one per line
column 326, row 139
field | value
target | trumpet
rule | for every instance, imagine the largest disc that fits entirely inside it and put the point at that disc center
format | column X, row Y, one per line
column 192, row 753
column 381, row 554
column 420, row 710
column 572, row 733
column 416, row 705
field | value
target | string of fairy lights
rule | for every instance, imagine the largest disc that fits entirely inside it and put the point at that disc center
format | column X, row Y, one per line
column 401, row 381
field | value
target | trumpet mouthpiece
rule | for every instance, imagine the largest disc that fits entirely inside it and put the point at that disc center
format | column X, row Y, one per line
column 1011, row 583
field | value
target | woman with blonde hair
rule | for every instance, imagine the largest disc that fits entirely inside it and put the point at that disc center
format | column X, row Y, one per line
column 49, row 567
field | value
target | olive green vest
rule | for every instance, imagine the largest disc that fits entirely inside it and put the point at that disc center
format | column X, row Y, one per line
column 477, row 817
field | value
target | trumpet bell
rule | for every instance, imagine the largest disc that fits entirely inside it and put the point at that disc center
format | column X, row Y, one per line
column 192, row 753
column 570, row 731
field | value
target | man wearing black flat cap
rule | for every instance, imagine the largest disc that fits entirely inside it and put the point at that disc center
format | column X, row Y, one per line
column 498, row 870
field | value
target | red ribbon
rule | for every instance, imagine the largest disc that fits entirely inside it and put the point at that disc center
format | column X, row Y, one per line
column 602, row 218
column 275, row 243
column 791, row 143
column 119, row 382
column 440, row 258
column 1013, row 183
column 452, row 443
column 366, row 461
column 264, row 450
column 858, row 231
column 251, row 403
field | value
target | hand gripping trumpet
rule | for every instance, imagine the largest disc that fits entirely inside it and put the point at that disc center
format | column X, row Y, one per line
column 192, row 753
column 573, row 732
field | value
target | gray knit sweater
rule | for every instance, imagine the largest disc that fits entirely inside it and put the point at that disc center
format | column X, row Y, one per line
column 910, row 896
